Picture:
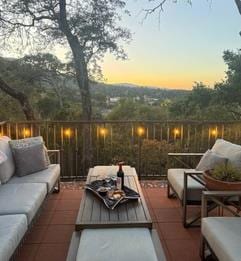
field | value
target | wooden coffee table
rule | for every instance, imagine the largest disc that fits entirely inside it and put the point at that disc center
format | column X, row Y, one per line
column 94, row 214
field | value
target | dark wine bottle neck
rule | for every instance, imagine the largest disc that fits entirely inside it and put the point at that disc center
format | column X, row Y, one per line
column 120, row 167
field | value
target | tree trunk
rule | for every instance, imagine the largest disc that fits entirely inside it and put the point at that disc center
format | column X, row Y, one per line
column 82, row 80
column 21, row 98
column 58, row 92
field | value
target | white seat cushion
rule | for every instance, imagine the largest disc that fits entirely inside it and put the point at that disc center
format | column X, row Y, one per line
column 223, row 234
column 12, row 230
column 48, row 176
column 176, row 179
column 22, row 199
column 119, row 244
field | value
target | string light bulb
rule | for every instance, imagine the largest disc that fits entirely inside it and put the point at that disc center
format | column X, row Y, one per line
column 176, row 132
column 103, row 131
column 26, row 132
column 67, row 133
column 140, row 131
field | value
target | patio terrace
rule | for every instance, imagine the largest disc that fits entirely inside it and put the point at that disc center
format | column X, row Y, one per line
column 146, row 150
column 50, row 236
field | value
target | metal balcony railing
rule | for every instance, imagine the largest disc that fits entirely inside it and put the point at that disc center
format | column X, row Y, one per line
column 141, row 144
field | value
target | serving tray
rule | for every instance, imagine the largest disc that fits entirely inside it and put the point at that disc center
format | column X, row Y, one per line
column 111, row 203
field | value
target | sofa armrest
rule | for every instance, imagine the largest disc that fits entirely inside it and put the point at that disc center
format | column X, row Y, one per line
column 55, row 153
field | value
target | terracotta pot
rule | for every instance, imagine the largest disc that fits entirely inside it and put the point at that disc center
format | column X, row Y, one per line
column 214, row 184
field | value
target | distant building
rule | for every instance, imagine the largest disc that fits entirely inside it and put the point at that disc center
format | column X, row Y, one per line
column 112, row 100
column 150, row 100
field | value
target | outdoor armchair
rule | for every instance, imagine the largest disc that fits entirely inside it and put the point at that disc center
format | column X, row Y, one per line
column 221, row 236
column 186, row 184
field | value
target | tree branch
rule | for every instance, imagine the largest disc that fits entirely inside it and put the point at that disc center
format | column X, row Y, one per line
column 238, row 3
column 20, row 97
column 158, row 6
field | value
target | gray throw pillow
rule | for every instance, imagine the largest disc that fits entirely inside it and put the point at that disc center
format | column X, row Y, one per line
column 22, row 143
column 29, row 159
column 210, row 160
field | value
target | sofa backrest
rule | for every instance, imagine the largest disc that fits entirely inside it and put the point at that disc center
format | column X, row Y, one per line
column 7, row 168
column 228, row 150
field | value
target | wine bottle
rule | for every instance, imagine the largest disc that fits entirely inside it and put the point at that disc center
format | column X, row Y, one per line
column 120, row 177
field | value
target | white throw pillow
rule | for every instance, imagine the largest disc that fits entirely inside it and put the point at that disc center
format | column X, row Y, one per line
column 3, row 157
column 235, row 159
column 229, row 150
column 210, row 160
column 225, row 148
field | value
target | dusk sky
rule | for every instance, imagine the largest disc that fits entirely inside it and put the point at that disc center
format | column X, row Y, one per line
column 186, row 46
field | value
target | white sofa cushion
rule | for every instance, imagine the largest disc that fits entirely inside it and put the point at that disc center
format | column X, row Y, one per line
column 7, row 168
column 22, row 199
column 48, row 176
column 12, row 230
column 210, row 160
column 223, row 234
column 3, row 157
column 228, row 150
column 119, row 244
column 176, row 179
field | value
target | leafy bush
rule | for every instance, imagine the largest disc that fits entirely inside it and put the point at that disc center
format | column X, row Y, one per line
column 226, row 172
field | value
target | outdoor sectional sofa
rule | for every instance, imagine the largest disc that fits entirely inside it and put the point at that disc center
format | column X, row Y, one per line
column 21, row 199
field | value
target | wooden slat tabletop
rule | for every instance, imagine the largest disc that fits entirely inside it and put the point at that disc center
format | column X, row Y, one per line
column 94, row 214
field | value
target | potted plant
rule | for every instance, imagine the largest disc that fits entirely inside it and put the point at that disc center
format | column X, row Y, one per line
column 223, row 177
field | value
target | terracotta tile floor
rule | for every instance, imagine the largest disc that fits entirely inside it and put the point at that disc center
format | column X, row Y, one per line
column 49, row 238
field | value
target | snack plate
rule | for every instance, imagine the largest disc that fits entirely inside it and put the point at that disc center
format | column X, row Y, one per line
column 111, row 202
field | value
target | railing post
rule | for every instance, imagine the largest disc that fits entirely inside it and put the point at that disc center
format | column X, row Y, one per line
column 139, row 156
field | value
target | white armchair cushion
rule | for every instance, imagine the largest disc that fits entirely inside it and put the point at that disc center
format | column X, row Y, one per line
column 176, row 179
column 223, row 234
column 210, row 160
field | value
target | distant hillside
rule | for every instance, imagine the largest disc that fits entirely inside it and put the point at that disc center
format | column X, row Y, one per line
column 127, row 90
column 143, row 86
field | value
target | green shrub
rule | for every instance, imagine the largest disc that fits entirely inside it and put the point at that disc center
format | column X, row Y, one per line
column 226, row 172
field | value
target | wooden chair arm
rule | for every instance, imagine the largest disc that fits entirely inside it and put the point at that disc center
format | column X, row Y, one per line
column 221, row 193
column 178, row 157
column 217, row 198
column 54, row 152
column 186, row 154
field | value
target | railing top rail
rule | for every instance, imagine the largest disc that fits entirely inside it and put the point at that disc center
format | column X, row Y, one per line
column 2, row 122
column 123, row 122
